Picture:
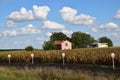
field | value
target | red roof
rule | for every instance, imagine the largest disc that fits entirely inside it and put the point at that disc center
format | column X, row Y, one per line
column 58, row 42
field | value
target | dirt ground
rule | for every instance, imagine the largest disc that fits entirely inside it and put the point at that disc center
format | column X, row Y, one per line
column 84, row 67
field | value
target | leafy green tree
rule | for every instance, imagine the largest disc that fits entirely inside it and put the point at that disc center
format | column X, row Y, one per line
column 81, row 40
column 58, row 36
column 106, row 40
column 29, row 48
column 48, row 45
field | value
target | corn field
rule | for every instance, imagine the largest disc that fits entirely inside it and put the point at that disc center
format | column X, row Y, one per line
column 78, row 56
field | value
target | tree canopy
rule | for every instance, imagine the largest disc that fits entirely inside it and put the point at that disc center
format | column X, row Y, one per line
column 58, row 36
column 106, row 40
column 78, row 39
column 49, row 45
column 81, row 40
column 29, row 48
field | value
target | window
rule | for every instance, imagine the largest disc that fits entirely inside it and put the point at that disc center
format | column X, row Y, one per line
column 66, row 44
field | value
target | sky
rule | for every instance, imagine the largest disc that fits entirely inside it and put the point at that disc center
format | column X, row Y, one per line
column 31, row 22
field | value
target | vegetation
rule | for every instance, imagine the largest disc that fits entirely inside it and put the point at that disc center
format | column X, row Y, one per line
column 81, row 40
column 106, row 40
column 58, row 36
column 78, row 39
column 12, row 73
column 29, row 48
column 78, row 56
column 92, row 56
column 49, row 45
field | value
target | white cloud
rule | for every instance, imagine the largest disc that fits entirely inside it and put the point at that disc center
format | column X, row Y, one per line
column 52, row 25
column 40, row 40
column 29, row 29
column 109, row 26
column 17, row 42
column 95, row 30
column 27, row 42
column 115, row 35
column 10, row 23
column 70, row 15
column 7, row 33
column 67, row 32
column 117, row 16
column 118, row 29
column 48, row 34
column 38, row 13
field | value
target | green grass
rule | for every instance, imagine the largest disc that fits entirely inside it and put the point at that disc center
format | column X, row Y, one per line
column 52, row 73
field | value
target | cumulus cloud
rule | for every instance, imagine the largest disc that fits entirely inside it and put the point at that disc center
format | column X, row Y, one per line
column 48, row 34
column 67, row 32
column 22, row 42
column 38, row 13
column 115, row 35
column 95, row 30
column 52, row 25
column 29, row 29
column 40, row 40
column 10, row 23
column 7, row 33
column 109, row 26
column 117, row 16
column 70, row 15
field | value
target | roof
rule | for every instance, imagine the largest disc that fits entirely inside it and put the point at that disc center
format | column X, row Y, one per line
column 58, row 42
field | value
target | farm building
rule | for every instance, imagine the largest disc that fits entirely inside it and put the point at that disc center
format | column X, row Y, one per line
column 100, row 45
column 63, row 45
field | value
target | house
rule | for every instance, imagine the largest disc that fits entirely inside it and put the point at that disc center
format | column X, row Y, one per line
column 63, row 45
column 100, row 45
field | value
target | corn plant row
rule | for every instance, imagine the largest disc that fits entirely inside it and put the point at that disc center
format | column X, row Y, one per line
column 78, row 56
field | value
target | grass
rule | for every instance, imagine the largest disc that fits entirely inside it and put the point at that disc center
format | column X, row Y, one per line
column 53, row 73
column 39, row 71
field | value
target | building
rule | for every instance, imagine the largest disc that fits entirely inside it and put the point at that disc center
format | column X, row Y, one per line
column 63, row 45
column 100, row 45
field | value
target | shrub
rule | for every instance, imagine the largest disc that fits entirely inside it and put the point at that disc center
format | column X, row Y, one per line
column 29, row 48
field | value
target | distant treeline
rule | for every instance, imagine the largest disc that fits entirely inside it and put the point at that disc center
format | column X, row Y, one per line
column 11, row 49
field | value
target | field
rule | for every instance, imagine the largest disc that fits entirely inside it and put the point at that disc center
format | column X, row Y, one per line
column 80, row 64
column 100, row 56
column 57, row 72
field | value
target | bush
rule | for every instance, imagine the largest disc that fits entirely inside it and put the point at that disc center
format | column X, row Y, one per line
column 29, row 48
column 49, row 45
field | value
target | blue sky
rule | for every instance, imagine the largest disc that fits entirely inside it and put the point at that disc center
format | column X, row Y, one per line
column 31, row 22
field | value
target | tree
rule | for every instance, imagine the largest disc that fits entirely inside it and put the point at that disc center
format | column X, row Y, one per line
column 29, row 48
column 49, row 45
column 81, row 40
column 106, row 40
column 58, row 36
